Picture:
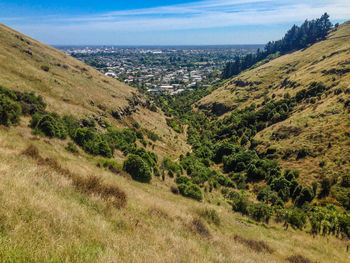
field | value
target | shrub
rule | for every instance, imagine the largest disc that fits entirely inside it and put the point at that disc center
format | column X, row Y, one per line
column 71, row 147
column 345, row 181
column 149, row 157
column 239, row 202
column 10, row 111
column 296, row 218
column 237, row 162
column 174, row 189
column 191, row 190
column 8, row 93
column 240, row 180
column 302, row 153
column 137, row 168
column 152, row 136
column 223, row 149
column 92, row 142
column 260, row 212
column 45, row 68
column 182, row 179
column 282, row 186
column 169, row 165
column 326, row 185
column 306, row 195
column 31, row 103
column 49, row 124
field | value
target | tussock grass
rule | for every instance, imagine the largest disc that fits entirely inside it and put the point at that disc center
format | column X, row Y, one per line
column 298, row 259
column 88, row 185
column 45, row 218
column 200, row 228
column 209, row 215
column 257, row 246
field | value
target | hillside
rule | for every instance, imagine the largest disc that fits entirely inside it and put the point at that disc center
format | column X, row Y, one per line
column 320, row 125
column 71, row 87
column 58, row 203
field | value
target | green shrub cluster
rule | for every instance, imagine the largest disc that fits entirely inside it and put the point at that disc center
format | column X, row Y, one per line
column 49, row 124
column 10, row 111
column 175, row 125
column 315, row 89
column 137, row 168
column 14, row 104
column 173, row 167
column 92, row 142
column 191, row 190
column 31, row 103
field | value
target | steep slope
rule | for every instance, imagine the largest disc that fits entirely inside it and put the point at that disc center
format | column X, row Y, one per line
column 58, row 206
column 320, row 124
column 71, row 87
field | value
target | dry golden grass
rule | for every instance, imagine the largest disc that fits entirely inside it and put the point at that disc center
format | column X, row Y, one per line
column 53, row 205
column 44, row 217
column 323, row 123
column 69, row 86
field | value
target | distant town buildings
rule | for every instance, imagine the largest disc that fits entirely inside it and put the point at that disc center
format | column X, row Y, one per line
column 159, row 70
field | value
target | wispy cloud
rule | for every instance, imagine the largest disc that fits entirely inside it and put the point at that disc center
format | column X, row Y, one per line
column 204, row 14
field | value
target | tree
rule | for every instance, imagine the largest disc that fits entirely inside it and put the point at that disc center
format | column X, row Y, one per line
column 137, row 168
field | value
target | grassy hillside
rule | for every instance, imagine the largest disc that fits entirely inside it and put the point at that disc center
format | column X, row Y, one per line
column 320, row 125
column 45, row 216
column 71, row 87
column 59, row 206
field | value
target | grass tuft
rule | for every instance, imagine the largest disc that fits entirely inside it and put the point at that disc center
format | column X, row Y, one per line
column 200, row 228
column 87, row 185
column 257, row 246
column 32, row 151
column 298, row 259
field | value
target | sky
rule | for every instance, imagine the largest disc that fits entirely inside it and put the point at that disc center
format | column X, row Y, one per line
column 171, row 22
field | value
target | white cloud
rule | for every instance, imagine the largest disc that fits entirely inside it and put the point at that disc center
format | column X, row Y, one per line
column 196, row 15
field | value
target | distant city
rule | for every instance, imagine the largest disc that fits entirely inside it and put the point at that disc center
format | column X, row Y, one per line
column 161, row 69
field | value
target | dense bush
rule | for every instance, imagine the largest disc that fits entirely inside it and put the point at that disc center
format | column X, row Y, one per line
column 315, row 89
column 223, row 149
column 282, row 186
column 306, row 195
column 123, row 140
column 49, row 124
column 10, row 111
column 182, row 180
column 191, row 190
column 137, row 168
column 174, row 167
column 238, row 162
column 260, row 212
column 92, row 142
column 149, row 157
column 239, row 202
column 31, row 103
column 296, row 218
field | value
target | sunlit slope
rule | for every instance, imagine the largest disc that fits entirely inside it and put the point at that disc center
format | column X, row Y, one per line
column 71, row 87
column 45, row 217
column 321, row 125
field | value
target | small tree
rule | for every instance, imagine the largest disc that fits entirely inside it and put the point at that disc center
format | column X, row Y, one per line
column 137, row 168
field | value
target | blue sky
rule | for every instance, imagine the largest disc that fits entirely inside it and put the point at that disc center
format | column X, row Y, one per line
column 155, row 22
